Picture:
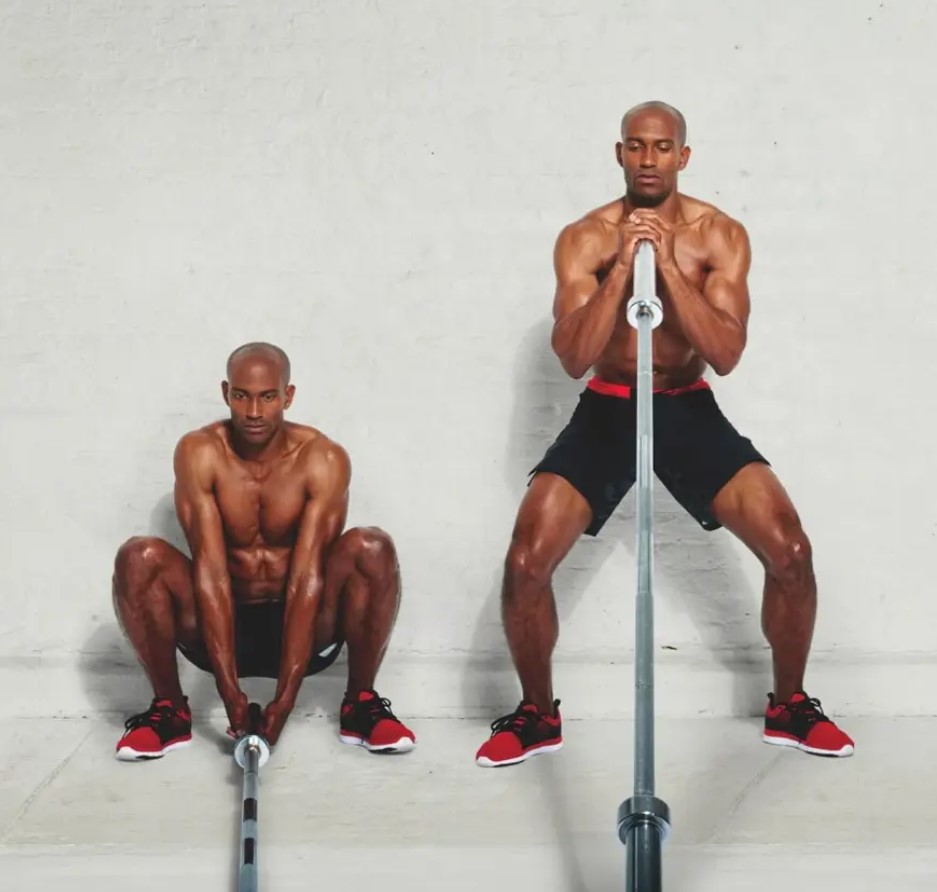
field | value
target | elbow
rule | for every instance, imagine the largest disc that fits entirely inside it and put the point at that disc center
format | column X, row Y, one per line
column 565, row 353
column 726, row 363
column 572, row 368
column 730, row 354
column 572, row 364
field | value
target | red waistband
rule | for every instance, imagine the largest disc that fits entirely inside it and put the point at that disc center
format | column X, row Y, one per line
column 626, row 390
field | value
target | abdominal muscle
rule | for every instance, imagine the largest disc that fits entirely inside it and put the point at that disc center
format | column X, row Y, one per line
column 674, row 362
column 258, row 574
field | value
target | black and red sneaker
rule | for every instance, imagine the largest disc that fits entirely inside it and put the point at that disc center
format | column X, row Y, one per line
column 366, row 720
column 801, row 723
column 156, row 731
column 523, row 733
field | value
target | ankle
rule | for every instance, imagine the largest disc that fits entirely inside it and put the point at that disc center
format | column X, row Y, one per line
column 545, row 705
column 179, row 702
column 784, row 693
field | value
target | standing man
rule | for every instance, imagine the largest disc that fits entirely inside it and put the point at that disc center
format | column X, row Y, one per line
column 717, row 475
column 274, row 587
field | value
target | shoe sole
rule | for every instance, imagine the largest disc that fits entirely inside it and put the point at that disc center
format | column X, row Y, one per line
column 847, row 750
column 129, row 754
column 403, row 745
column 485, row 762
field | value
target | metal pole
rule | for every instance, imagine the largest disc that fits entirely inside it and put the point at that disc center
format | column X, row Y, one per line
column 251, row 753
column 644, row 820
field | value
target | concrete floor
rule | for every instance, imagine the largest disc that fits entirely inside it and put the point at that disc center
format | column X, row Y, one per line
column 746, row 815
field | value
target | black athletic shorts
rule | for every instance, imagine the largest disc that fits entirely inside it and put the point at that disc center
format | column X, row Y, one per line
column 258, row 643
column 696, row 450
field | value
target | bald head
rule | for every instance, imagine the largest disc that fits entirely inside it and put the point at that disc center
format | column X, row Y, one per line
column 656, row 106
column 258, row 392
column 260, row 350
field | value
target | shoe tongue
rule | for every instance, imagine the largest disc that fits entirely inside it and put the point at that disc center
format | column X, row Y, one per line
column 798, row 697
column 364, row 696
column 529, row 707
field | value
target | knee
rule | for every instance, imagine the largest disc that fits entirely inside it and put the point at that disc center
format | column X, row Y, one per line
column 527, row 567
column 789, row 557
column 372, row 549
column 137, row 560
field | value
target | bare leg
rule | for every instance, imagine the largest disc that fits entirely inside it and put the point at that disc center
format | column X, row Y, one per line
column 552, row 516
column 360, row 602
column 155, row 606
column 755, row 507
column 789, row 609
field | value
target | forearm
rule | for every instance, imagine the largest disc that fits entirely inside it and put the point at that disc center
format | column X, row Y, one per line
column 580, row 337
column 216, row 616
column 716, row 336
column 299, row 627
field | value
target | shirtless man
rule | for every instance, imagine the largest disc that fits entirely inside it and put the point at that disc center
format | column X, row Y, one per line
column 717, row 475
column 274, row 587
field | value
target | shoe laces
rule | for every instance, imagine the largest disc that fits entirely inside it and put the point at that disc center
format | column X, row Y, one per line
column 158, row 711
column 515, row 721
column 377, row 707
column 810, row 709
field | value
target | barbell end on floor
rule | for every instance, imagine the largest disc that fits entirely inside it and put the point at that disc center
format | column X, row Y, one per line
column 651, row 306
column 643, row 809
column 258, row 743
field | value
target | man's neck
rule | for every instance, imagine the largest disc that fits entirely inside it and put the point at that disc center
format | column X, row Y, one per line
column 669, row 209
column 259, row 454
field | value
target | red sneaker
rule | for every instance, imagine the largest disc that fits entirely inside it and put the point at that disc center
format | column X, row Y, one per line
column 524, row 733
column 801, row 723
column 156, row 731
column 367, row 721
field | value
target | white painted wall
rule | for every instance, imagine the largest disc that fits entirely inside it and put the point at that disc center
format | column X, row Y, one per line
column 377, row 188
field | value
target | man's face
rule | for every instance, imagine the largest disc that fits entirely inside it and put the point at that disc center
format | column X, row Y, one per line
column 651, row 156
column 257, row 397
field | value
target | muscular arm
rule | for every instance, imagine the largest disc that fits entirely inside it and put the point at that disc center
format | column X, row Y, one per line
column 715, row 319
column 329, row 474
column 200, row 519
column 584, row 311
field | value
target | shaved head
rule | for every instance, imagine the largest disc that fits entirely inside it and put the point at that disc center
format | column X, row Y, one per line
column 258, row 392
column 264, row 351
column 656, row 105
column 652, row 152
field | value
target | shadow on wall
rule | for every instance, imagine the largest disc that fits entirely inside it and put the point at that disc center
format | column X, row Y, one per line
column 699, row 571
column 544, row 398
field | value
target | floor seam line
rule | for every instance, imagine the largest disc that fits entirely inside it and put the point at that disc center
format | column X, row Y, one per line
column 41, row 786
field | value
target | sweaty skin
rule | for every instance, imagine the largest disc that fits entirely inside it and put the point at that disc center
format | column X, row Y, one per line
column 260, row 503
column 702, row 260
column 263, row 504
column 703, row 257
column 252, row 521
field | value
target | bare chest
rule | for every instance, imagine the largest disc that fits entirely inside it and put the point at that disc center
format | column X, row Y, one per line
column 260, row 508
